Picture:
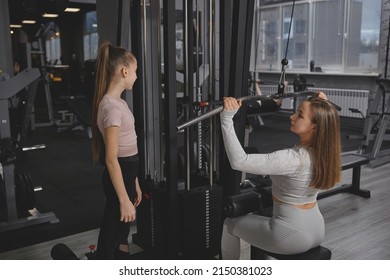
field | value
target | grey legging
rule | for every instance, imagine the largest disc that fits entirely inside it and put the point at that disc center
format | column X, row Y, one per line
column 291, row 230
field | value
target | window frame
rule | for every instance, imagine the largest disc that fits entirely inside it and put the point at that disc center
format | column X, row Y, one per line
column 346, row 21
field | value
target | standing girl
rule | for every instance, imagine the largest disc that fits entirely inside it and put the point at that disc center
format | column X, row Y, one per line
column 114, row 143
column 298, row 174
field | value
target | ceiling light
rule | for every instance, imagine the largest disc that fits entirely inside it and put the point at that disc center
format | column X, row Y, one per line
column 28, row 21
column 12, row 32
column 72, row 10
column 94, row 24
column 15, row 25
column 50, row 15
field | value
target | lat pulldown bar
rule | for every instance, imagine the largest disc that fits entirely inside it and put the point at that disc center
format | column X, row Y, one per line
column 244, row 98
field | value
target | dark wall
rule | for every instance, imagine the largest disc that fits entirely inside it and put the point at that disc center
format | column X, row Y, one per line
column 71, row 30
column 5, row 44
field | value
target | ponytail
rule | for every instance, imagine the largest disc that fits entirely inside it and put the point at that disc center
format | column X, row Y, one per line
column 101, row 85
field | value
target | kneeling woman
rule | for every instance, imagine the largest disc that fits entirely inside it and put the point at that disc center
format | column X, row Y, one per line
column 298, row 174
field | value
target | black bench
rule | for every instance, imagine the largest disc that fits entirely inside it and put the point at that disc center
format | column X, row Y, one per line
column 317, row 253
column 355, row 162
column 83, row 112
column 81, row 109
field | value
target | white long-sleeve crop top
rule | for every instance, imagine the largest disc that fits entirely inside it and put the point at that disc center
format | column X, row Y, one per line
column 290, row 169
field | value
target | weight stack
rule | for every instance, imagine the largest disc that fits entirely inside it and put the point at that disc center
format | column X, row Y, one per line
column 200, row 222
column 150, row 219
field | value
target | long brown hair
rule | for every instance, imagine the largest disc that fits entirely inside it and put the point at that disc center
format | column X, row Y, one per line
column 108, row 59
column 326, row 145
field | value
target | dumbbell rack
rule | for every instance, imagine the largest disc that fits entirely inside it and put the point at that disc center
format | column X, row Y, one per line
column 9, row 88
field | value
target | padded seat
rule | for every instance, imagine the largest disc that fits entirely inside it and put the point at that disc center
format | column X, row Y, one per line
column 317, row 253
column 249, row 202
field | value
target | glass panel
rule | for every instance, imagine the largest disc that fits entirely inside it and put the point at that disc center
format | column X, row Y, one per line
column 328, row 34
column 57, row 49
column 53, row 50
column 267, row 40
column 90, row 22
column 91, row 39
column 297, row 54
column 51, row 34
column 363, row 35
column 86, row 47
column 94, row 44
column 48, row 52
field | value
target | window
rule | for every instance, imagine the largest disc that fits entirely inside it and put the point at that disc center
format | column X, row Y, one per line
column 299, row 37
column 363, row 35
column 267, row 35
column 53, row 50
column 52, row 43
column 328, row 34
column 337, row 35
column 301, row 26
column 91, row 38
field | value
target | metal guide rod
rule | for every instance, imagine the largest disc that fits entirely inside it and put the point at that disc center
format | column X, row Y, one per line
column 198, row 87
column 35, row 147
column 187, row 92
column 244, row 98
column 212, row 87
column 145, row 85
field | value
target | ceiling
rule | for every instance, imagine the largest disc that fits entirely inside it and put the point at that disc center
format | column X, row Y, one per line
column 33, row 9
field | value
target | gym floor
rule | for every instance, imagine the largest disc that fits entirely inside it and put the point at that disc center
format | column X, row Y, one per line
column 356, row 228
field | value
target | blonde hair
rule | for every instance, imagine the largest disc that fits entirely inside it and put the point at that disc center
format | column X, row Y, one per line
column 108, row 59
column 326, row 147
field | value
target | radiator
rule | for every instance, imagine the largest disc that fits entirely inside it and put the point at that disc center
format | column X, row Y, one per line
column 345, row 98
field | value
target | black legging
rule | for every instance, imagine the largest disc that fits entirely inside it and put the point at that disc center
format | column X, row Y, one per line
column 112, row 231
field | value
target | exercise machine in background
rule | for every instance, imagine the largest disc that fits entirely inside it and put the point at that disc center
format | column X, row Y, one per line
column 36, row 57
column 376, row 122
column 375, row 130
column 17, row 190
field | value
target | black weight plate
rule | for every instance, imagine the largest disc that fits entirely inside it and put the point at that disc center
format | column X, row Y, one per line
column 20, row 195
column 30, row 198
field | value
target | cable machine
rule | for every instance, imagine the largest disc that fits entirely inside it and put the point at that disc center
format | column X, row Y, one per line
column 173, row 221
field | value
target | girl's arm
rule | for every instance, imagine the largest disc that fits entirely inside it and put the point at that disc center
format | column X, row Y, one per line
column 138, row 191
column 127, row 208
